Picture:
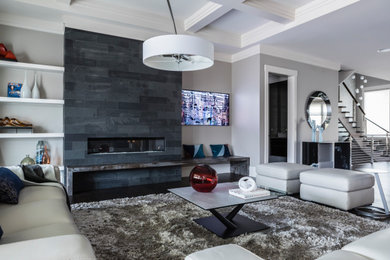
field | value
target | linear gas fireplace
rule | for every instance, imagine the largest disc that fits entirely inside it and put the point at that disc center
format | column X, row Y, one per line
column 125, row 145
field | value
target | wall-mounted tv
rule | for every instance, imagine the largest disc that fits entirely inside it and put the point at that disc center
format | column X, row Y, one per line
column 204, row 108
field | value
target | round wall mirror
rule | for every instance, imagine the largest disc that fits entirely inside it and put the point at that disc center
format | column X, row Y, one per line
column 318, row 110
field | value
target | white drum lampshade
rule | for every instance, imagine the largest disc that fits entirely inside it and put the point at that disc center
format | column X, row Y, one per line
column 178, row 52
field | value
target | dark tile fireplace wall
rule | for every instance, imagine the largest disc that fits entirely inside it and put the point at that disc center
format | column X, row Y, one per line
column 109, row 93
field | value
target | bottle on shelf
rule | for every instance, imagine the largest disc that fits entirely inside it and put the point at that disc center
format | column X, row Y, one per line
column 35, row 90
column 26, row 90
column 45, row 156
column 40, row 150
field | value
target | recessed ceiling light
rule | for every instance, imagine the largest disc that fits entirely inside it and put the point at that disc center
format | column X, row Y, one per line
column 383, row 50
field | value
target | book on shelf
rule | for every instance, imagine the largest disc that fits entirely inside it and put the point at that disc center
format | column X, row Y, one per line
column 249, row 194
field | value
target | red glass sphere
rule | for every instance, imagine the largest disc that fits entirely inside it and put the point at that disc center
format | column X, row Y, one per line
column 203, row 178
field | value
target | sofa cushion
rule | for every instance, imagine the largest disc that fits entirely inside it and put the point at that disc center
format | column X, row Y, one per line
column 56, row 229
column 342, row 255
column 338, row 179
column 224, row 252
column 19, row 217
column 193, row 151
column 59, row 247
column 10, row 186
column 374, row 246
column 282, row 170
column 38, row 193
column 220, row 150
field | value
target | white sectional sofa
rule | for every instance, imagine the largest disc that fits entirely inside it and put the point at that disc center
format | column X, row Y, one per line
column 41, row 226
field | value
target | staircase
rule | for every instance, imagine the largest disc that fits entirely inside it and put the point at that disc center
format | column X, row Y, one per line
column 352, row 124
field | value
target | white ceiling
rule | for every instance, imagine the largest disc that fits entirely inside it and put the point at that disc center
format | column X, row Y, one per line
column 343, row 32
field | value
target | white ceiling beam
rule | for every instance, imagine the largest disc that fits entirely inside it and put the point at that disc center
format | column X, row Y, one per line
column 268, row 9
column 304, row 14
column 204, row 16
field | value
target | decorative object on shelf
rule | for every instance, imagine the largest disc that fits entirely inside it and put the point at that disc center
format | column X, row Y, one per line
column 26, row 90
column 193, row 151
column 203, row 178
column 39, row 151
column 320, row 132
column 247, row 184
column 14, row 89
column 6, row 54
column 35, row 91
column 313, row 130
column 45, row 156
column 27, row 160
column 13, row 122
column 178, row 52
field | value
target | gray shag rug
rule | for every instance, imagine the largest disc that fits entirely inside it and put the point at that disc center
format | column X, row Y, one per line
column 161, row 227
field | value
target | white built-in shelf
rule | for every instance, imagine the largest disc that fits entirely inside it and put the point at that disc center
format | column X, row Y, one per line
column 31, row 135
column 31, row 101
column 31, row 66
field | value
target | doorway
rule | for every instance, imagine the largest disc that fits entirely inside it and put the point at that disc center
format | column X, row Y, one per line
column 277, row 114
column 285, row 83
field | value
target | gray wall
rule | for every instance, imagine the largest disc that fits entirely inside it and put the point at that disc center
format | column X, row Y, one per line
column 110, row 93
column 215, row 79
column 245, row 109
column 310, row 78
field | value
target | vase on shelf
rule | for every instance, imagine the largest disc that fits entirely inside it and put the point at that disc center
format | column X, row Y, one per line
column 45, row 156
column 26, row 90
column 35, row 90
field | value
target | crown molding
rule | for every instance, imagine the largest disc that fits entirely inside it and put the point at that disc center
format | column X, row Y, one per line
column 31, row 23
column 224, row 57
column 249, row 52
column 299, row 57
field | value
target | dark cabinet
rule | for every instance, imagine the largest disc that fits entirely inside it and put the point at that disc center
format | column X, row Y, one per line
column 335, row 155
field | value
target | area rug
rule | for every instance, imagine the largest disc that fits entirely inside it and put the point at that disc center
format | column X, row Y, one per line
column 161, row 227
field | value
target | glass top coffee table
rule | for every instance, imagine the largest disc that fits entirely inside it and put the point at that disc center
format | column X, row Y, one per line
column 223, row 225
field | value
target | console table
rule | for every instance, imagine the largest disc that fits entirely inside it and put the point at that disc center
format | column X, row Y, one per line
column 238, row 165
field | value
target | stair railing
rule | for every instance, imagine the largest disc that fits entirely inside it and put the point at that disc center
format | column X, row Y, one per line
column 359, row 118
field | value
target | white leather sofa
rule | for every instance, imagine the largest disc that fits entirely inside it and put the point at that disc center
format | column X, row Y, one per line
column 372, row 247
column 41, row 226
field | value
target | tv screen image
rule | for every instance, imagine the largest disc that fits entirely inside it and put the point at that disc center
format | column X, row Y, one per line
column 204, row 108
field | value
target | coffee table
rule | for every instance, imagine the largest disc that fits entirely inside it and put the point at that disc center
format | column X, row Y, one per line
column 223, row 225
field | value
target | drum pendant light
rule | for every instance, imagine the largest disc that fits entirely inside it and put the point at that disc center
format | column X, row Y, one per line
column 176, row 52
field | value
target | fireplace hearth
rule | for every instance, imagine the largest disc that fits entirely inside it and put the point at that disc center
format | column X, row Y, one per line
column 126, row 145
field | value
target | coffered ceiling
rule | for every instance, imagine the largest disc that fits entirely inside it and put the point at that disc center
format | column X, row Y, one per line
column 237, row 27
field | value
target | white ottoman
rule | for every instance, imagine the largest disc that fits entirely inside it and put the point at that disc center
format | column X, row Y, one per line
column 280, row 176
column 224, row 252
column 343, row 189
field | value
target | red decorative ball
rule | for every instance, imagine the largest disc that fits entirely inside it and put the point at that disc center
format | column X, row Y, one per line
column 203, row 178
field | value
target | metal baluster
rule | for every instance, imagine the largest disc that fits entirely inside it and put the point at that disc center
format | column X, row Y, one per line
column 387, row 144
column 372, row 149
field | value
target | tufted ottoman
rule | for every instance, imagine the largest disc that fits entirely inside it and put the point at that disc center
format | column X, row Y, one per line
column 280, row 176
column 224, row 252
column 343, row 189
